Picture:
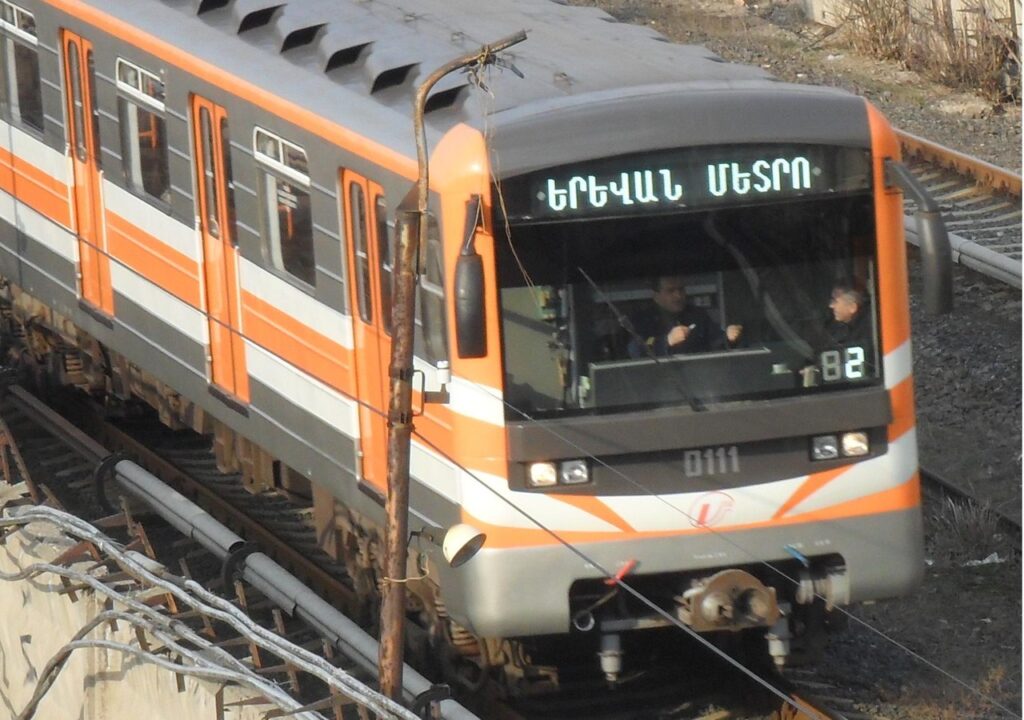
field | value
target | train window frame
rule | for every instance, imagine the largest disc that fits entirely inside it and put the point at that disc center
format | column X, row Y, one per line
column 431, row 311
column 281, row 161
column 359, row 208
column 135, row 96
column 18, row 27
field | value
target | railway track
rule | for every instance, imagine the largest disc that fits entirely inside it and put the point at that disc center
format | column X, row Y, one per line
column 58, row 461
column 937, row 482
column 982, row 207
column 981, row 204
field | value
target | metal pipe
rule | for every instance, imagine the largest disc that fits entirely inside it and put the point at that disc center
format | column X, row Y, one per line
column 195, row 596
column 977, row 257
column 396, row 530
column 934, row 240
column 271, row 579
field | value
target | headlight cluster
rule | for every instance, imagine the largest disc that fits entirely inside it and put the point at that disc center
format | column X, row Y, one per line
column 830, row 447
column 566, row 472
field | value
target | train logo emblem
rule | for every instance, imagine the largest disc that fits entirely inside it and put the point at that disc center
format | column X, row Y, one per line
column 710, row 509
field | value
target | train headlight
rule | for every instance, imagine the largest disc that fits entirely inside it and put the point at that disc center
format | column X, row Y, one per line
column 855, row 444
column 542, row 474
column 824, row 447
column 574, row 472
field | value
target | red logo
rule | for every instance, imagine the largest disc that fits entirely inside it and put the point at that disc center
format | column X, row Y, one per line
column 710, row 509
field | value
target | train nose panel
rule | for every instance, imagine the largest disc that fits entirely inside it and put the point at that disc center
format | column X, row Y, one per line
column 728, row 600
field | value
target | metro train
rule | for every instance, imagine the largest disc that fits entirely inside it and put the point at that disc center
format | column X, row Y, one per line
column 199, row 212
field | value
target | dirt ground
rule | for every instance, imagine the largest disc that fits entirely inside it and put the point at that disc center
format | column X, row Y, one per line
column 953, row 650
column 775, row 35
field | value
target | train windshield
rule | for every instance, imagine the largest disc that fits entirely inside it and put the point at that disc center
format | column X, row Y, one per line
column 731, row 303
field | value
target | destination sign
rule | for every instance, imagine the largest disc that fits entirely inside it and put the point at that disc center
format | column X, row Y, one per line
column 686, row 179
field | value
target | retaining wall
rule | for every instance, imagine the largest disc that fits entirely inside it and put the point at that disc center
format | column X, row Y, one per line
column 95, row 684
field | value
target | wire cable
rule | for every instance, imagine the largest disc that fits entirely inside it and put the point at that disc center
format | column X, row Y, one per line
column 204, row 667
column 723, row 536
column 696, row 521
column 199, row 598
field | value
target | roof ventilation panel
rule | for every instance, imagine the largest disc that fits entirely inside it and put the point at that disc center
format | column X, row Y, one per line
column 258, row 18
column 445, row 99
column 345, row 57
column 392, row 78
column 205, row 6
column 301, row 37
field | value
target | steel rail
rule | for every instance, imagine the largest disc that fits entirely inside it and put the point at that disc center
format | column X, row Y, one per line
column 971, row 254
column 991, row 176
column 999, row 180
column 116, row 439
column 951, row 488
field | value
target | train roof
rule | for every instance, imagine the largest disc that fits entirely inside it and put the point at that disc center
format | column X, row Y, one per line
column 363, row 59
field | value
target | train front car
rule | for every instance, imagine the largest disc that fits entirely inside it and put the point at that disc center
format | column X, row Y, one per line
column 706, row 369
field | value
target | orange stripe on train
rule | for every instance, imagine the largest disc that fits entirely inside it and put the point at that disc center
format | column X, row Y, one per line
column 167, row 268
column 903, row 497
column 902, row 399
column 471, row 441
column 35, row 188
column 892, row 251
column 300, row 116
column 311, row 351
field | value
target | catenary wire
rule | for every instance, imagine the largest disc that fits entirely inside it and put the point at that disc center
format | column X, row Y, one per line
column 697, row 522
column 625, row 585
column 720, row 535
column 775, row 569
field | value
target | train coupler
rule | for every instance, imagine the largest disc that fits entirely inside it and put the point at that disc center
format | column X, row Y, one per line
column 728, row 600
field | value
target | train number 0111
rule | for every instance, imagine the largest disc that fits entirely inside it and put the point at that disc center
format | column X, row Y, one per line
column 722, row 460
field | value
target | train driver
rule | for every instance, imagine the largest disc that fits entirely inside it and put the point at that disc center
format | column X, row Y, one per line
column 670, row 325
column 849, row 323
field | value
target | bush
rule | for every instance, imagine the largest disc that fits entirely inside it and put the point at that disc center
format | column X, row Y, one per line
column 967, row 47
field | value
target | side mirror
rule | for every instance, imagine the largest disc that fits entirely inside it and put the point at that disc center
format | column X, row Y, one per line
column 470, row 320
column 470, row 315
column 936, row 258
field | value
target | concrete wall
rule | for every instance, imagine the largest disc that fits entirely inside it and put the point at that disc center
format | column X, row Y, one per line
column 95, row 684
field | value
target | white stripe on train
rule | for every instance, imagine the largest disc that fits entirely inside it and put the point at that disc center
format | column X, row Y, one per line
column 154, row 222
column 44, row 158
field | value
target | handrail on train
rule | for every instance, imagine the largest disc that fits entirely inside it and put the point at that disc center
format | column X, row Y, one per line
column 935, row 252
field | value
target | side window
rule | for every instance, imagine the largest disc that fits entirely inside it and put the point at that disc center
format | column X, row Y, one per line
column 229, row 181
column 357, row 204
column 140, row 105
column 287, row 217
column 432, row 320
column 210, row 171
column 385, row 254
column 21, row 89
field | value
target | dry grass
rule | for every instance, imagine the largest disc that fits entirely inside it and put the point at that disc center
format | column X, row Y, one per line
column 964, row 532
column 967, row 48
column 967, row 705
column 879, row 27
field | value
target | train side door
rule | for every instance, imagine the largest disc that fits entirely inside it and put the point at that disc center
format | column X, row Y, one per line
column 370, row 263
column 215, row 210
column 83, row 138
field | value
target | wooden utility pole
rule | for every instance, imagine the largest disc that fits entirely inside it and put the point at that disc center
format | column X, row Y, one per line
column 412, row 228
